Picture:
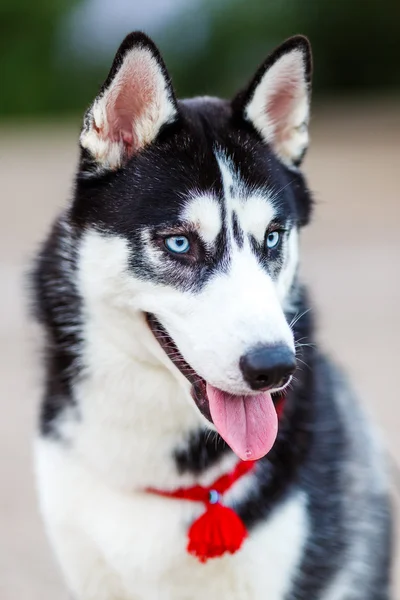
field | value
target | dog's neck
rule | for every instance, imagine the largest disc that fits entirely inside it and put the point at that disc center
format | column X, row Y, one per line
column 136, row 413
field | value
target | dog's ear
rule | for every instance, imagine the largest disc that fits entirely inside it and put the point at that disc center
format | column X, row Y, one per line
column 135, row 101
column 277, row 101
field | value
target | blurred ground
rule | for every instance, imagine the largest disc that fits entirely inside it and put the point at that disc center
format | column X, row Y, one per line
column 350, row 259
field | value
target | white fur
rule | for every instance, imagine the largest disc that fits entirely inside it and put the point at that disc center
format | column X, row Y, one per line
column 204, row 213
column 145, row 97
column 115, row 545
column 285, row 129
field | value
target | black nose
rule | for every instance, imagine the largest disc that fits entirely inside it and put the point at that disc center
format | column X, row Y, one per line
column 268, row 366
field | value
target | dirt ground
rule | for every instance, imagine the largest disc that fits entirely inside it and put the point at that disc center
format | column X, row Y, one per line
column 350, row 259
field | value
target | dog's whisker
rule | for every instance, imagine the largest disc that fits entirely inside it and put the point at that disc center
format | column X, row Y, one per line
column 297, row 317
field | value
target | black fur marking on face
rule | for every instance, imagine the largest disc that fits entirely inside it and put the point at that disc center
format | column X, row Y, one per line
column 238, row 234
column 270, row 259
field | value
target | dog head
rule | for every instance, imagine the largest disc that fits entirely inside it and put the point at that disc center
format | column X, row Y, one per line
column 205, row 198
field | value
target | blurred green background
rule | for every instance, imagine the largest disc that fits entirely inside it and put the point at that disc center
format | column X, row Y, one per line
column 55, row 53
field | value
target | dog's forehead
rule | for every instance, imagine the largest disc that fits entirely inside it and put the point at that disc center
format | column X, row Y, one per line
column 242, row 208
column 208, row 171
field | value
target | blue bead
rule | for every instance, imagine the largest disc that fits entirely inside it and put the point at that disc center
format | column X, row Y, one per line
column 213, row 497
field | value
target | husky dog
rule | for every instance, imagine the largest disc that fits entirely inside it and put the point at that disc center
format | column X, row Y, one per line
column 174, row 323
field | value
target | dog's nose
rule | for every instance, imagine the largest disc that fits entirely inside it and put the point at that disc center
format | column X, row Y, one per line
column 268, row 367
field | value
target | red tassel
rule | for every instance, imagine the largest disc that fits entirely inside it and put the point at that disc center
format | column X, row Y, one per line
column 217, row 531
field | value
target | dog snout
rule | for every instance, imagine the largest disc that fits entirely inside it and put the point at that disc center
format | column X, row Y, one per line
column 268, row 367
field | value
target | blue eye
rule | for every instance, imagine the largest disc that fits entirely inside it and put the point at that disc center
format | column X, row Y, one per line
column 178, row 244
column 273, row 239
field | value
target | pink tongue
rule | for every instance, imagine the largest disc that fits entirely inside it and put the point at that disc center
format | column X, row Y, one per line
column 248, row 424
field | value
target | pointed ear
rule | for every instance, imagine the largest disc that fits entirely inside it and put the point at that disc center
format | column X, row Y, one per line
column 135, row 101
column 277, row 101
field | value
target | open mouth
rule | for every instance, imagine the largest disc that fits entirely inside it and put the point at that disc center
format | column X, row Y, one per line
column 248, row 423
column 166, row 342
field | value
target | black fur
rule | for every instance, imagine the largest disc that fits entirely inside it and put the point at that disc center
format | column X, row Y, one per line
column 237, row 231
column 202, row 450
column 58, row 309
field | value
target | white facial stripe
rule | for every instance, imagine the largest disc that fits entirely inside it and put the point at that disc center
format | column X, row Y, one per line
column 204, row 213
column 230, row 179
column 254, row 210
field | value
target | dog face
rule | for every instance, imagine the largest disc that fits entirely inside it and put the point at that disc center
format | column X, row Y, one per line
column 206, row 197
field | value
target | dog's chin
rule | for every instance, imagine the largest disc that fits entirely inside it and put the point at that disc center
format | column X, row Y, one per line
column 198, row 389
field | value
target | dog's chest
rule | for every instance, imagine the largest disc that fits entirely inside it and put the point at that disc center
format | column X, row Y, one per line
column 151, row 558
column 140, row 541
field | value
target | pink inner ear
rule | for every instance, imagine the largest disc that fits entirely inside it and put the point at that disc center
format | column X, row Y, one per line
column 133, row 100
column 279, row 106
column 285, row 90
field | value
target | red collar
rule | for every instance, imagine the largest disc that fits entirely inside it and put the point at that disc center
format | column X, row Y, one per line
column 219, row 529
column 212, row 493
